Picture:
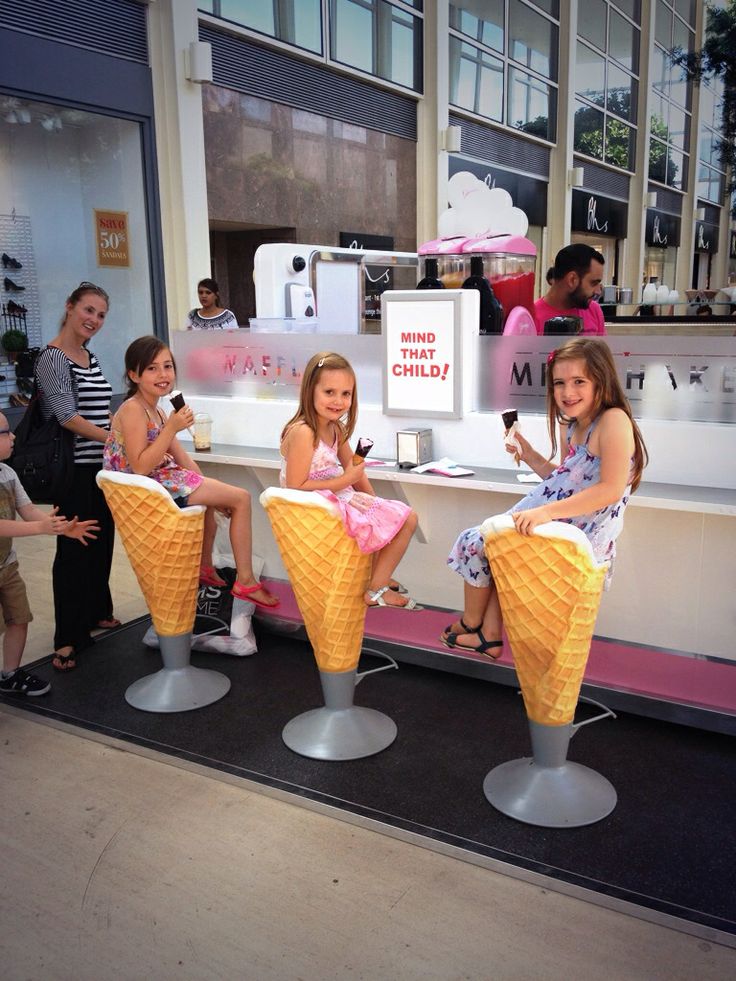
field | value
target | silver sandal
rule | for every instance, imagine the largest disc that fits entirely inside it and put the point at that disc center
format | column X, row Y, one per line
column 378, row 600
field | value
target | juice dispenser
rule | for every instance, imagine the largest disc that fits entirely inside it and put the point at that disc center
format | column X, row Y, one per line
column 453, row 267
column 509, row 263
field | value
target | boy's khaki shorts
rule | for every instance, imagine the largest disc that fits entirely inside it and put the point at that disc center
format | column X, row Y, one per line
column 13, row 597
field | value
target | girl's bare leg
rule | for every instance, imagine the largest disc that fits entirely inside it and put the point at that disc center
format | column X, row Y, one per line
column 208, row 542
column 217, row 494
column 388, row 558
column 482, row 609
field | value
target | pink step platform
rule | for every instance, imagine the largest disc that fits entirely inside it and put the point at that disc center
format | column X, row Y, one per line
column 651, row 673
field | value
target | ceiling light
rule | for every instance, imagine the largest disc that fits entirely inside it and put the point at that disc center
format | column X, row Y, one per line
column 24, row 116
column 12, row 117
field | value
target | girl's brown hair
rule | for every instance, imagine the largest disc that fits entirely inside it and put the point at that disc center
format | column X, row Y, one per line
column 325, row 361
column 609, row 394
column 142, row 352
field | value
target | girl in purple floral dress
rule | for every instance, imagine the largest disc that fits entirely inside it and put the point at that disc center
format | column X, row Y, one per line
column 605, row 456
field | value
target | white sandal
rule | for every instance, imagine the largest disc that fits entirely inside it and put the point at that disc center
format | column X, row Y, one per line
column 378, row 600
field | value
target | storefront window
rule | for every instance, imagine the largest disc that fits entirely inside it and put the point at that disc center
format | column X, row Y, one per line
column 73, row 208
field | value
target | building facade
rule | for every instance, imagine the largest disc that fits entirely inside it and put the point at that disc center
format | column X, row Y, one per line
column 333, row 121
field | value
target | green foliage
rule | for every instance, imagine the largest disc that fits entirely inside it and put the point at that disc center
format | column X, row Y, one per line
column 14, row 340
column 717, row 59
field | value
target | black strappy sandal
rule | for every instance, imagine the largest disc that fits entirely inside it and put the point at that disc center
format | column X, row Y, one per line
column 466, row 630
column 483, row 648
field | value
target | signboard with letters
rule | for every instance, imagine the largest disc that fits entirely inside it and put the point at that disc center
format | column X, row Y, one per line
column 429, row 338
column 111, row 238
column 598, row 215
column 706, row 237
column 662, row 230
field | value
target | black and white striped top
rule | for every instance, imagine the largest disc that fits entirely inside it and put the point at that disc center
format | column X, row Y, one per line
column 68, row 390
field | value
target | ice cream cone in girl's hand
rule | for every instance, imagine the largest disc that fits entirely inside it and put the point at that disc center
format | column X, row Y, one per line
column 511, row 428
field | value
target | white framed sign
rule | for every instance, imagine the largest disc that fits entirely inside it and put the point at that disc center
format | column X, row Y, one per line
column 424, row 350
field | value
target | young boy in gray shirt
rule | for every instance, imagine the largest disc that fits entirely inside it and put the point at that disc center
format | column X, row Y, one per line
column 16, row 613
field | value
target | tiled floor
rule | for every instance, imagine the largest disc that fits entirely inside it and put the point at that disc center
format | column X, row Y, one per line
column 115, row 866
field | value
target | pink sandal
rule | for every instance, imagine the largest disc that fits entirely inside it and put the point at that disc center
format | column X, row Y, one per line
column 208, row 577
column 241, row 592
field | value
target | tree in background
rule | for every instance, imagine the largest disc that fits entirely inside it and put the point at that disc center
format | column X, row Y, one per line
column 717, row 59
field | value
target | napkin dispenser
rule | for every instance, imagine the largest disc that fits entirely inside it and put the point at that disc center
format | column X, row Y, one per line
column 413, row 447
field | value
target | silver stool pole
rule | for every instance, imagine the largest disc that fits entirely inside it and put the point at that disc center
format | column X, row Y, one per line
column 547, row 790
column 340, row 730
column 178, row 686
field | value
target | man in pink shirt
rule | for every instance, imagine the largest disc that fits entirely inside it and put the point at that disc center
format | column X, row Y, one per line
column 575, row 279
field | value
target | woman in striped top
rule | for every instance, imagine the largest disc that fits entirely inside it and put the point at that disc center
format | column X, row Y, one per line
column 73, row 388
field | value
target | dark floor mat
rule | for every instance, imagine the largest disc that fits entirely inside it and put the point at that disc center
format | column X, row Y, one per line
column 668, row 846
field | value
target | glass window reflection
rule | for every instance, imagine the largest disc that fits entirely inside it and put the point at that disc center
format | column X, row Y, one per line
column 619, row 144
column 621, row 95
column 476, row 80
column 588, row 138
column 532, row 40
column 531, row 105
column 623, row 42
column 482, row 21
column 657, row 161
column 590, row 74
column 592, row 22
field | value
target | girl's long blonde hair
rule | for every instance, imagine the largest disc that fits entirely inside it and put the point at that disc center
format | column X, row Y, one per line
column 609, row 394
column 324, row 361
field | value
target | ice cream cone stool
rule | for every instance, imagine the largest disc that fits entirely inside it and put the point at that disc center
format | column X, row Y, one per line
column 549, row 586
column 164, row 545
column 329, row 575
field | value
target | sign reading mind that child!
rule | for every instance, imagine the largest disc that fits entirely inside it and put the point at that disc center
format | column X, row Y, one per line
column 427, row 350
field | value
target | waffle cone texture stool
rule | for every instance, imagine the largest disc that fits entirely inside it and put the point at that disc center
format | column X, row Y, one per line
column 164, row 545
column 329, row 575
column 549, row 586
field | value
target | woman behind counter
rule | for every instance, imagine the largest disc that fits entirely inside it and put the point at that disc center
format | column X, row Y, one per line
column 210, row 316
column 73, row 388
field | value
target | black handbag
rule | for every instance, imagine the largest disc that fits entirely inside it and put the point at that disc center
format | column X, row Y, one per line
column 43, row 455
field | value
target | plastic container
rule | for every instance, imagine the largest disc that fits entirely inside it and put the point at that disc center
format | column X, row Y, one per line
column 202, row 432
column 509, row 263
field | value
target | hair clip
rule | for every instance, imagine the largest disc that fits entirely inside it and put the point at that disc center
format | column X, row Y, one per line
column 320, row 362
column 551, row 356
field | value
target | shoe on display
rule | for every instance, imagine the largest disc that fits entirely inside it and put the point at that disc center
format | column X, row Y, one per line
column 10, row 285
column 10, row 263
column 22, row 682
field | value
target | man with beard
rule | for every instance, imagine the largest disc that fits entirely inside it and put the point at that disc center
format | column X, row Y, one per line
column 574, row 281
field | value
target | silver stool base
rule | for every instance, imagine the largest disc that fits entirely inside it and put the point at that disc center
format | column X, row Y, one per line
column 547, row 790
column 340, row 730
column 177, row 687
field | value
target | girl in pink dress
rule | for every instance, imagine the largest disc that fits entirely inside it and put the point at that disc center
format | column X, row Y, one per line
column 144, row 440
column 316, row 456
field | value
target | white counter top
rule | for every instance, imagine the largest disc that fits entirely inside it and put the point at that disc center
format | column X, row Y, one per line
column 672, row 497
